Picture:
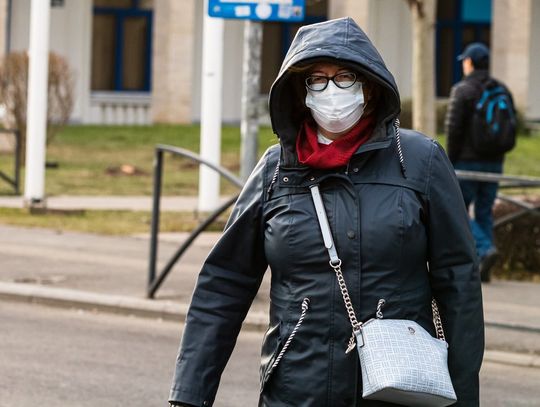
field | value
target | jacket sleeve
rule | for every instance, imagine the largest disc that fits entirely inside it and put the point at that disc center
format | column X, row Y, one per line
column 455, row 123
column 226, row 286
column 455, row 278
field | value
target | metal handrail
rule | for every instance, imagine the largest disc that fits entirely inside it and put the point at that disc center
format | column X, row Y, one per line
column 506, row 181
column 155, row 282
column 15, row 181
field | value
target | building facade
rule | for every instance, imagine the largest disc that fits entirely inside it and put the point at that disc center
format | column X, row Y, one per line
column 139, row 61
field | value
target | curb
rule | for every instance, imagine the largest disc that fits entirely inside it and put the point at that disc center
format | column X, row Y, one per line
column 174, row 311
column 512, row 326
column 512, row 358
column 115, row 304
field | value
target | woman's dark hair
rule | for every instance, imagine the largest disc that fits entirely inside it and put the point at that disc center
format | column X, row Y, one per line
column 300, row 111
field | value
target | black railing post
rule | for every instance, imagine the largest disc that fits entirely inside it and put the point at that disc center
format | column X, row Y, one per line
column 154, row 285
column 154, row 280
column 15, row 180
column 158, row 168
column 18, row 152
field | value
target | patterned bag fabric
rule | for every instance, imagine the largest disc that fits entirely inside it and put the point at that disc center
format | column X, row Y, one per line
column 402, row 363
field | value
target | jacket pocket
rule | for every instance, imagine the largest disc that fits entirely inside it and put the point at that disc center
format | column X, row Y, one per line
column 279, row 351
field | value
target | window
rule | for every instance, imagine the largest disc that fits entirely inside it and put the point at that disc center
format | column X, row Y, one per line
column 121, row 45
column 459, row 22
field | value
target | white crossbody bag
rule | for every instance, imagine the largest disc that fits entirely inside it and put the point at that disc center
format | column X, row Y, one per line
column 400, row 361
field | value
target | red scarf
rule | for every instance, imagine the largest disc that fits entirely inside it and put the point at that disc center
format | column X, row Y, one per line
column 336, row 154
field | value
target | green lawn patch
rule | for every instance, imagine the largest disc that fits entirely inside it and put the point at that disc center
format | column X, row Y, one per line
column 122, row 223
column 90, row 159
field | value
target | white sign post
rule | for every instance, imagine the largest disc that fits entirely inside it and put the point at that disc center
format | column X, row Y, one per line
column 36, row 120
column 212, row 74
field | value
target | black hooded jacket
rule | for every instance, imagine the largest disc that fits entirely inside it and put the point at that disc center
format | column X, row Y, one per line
column 459, row 117
column 401, row 230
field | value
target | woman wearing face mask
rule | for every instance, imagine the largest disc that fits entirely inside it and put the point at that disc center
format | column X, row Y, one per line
column 396, row 216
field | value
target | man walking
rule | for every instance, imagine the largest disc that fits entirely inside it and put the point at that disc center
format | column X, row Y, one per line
column 480, row 109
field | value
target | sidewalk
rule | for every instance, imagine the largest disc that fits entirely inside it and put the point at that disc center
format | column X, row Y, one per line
column 132, row 203
column 109, row 274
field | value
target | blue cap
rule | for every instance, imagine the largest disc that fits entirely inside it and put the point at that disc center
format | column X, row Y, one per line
column 476, row 51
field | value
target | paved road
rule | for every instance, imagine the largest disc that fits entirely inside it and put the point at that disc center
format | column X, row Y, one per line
column 53, row 357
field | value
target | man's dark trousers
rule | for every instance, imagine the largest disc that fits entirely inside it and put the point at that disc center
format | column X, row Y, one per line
column 483, row 195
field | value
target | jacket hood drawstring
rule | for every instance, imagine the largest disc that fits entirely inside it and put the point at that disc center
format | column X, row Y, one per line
column 399, row 150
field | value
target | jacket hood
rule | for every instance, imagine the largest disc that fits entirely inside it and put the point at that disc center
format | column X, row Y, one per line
column 342, row 41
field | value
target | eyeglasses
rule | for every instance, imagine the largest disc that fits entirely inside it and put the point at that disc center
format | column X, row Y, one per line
column 342, row 80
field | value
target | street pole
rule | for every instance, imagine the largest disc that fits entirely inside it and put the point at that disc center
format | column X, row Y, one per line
column 251, row 72
column 36, row 120
column 212, row 74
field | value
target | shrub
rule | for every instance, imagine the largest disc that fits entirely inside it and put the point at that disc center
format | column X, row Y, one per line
column 518, row 243
column 14, row 88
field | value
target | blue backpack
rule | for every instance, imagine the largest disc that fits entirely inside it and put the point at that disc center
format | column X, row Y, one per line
column 494, row 121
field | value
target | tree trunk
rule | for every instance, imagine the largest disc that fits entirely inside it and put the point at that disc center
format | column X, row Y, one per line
column 423, row 66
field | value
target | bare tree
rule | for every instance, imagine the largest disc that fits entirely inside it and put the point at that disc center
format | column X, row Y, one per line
column 14, row 90
column 423, row 65
column 60, row 97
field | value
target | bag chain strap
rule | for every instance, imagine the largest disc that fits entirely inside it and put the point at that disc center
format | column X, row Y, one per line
column 348, row 305
column 335, row 263
column 437, row 320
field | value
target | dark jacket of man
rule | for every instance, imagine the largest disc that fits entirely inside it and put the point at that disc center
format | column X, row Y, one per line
column 461, row 105
column 400, row 228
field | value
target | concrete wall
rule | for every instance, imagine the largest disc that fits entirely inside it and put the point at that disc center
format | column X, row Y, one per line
column 174, row 41
column 391, row 32
column 533, row 108
column 511, row 47
column 70, row 37
column 3, row 26
column 20, row 25
column 359, row 10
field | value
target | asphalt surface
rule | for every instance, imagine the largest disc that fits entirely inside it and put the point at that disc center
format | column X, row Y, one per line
column 61, row 357
column 69, row 357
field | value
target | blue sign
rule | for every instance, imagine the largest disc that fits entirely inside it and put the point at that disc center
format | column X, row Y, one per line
column 258, row 10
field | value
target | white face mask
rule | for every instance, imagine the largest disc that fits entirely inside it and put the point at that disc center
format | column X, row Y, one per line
column 335, row 109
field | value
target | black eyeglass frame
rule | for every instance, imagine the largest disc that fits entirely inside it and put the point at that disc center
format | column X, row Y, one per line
column 331, row 78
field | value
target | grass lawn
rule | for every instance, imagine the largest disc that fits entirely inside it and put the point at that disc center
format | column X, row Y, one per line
column 89, row 159
column 104, row 222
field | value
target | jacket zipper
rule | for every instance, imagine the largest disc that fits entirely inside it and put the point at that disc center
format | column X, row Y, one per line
column 305, row 307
